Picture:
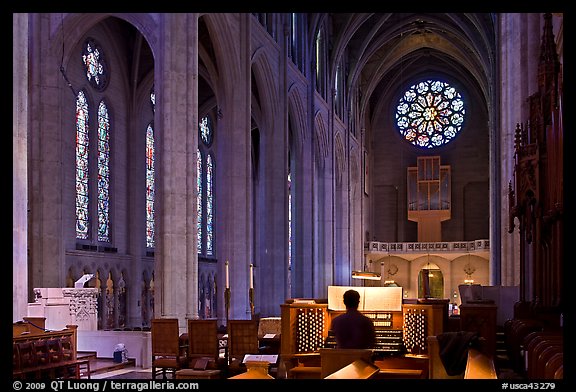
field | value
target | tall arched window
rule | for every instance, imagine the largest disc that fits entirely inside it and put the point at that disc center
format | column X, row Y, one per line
column 82, row 150
column 205, row 187
column 150, row 171
column 339, row 90
column 290, row 185
column 209, row 201
column 199, row 197
column 103, row 173
column 297, row 39
column 88, row 186
column 289, row 217
column 321, row 61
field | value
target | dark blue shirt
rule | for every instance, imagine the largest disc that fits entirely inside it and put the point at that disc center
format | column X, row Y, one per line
column 353, row 330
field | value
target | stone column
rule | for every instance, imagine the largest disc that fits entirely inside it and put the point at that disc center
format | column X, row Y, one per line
column 20, row 166
column 176, row 84
column 48, row 95
column 519, row 39
column 233, row 173
column 303, row 231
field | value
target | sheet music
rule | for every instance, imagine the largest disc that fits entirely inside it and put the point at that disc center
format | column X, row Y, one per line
column 335, row 293
column 260, row 358
column 371, row 298
column 383, row 298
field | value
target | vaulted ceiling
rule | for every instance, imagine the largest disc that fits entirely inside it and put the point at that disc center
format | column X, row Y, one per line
column 386, row 49
column 383, row 50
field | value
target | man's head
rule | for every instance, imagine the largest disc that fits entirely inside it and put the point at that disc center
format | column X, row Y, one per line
column 351, row 299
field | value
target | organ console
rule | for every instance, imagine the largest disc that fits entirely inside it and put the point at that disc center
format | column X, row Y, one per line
column 401, row 328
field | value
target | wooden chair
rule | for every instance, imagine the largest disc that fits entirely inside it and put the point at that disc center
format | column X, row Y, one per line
column 166, row 348
column 242, row 340
column 203, row 344
column 334, row 359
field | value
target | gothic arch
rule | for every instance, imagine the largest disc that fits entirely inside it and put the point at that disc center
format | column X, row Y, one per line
column 207, row 66
column 354, row 166
column 226, row 50
column 321, row 144
column 297, row 115
column 340, row 160
column 265, row 85
column 72, row 27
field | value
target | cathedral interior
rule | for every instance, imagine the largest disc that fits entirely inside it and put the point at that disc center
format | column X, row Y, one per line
column 229, row 165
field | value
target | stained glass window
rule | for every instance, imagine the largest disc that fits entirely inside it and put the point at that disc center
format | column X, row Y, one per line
column 205, row 198
column 199, row 199
column 82, row 144
column 103, row 173
column 95, row 65
column 209, row 215
column 289, row 219
column 150, row 188
column 206, row 130
column 93, row 164
column 430, row 114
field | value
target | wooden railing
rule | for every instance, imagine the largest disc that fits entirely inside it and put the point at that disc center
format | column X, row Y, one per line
column 39, row 353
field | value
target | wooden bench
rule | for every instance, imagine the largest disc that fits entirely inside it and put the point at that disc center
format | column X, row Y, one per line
column 357, row 370
column 478, row 365
column 38, row 353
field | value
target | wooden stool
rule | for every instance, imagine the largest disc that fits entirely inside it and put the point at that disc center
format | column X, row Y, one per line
column 191, row 373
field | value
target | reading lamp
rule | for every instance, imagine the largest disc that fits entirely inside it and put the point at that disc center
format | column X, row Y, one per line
column 366, row 275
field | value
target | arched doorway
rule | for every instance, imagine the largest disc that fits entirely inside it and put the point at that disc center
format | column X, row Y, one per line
column 430, row 282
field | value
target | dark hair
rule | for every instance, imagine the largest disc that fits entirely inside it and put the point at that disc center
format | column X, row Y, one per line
column 351, row 299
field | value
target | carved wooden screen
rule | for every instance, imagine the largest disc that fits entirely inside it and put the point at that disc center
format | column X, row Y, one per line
column 536, row 197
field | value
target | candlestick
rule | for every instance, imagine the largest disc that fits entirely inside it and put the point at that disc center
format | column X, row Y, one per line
column 251, row 275
column 227, row 303
column 251, row 298
column 227, row 276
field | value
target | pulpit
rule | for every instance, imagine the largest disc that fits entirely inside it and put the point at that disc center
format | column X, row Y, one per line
column 65, row 306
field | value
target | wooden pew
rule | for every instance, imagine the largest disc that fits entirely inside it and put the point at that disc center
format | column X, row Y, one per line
column 38, row 353
column 436, row 369
column 479, row 366
column 358, row 370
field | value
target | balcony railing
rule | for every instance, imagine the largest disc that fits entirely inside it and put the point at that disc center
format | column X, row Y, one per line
column 419, row 247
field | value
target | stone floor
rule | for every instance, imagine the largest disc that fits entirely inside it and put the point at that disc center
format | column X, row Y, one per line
column 129, row 373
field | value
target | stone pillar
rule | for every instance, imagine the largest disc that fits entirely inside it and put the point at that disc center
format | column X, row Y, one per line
column 20, row 166
column 176, row 85
column 520, row 38
column 303, row 231
column 233, row 169
column 46, row 258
